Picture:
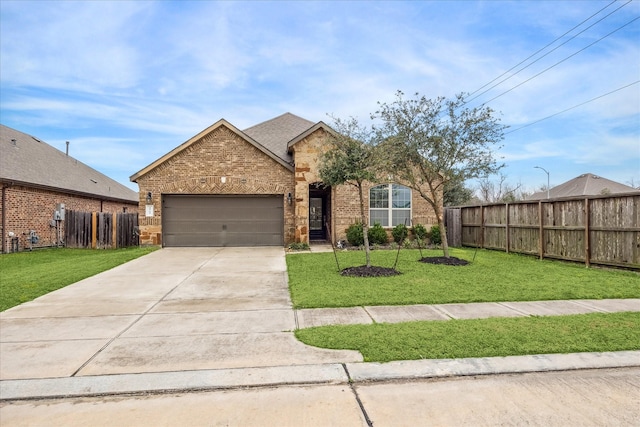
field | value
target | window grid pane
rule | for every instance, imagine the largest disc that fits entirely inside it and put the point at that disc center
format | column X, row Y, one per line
column 379, row 197
column 379, row 215
column 399, row 216
column 401, row 196
column 379, row 209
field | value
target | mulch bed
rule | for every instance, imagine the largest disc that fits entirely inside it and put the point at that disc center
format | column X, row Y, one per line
column 444, row 261
column 373, row 271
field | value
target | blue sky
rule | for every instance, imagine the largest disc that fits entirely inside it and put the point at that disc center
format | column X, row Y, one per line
column 126, row 82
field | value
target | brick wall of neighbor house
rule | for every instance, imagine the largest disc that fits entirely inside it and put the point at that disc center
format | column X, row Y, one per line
column 29, row 208
column 345, row 201
column 199, row 169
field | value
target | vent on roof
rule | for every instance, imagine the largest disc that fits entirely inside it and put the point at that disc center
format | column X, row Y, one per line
column 13, row 142
column 94, row 181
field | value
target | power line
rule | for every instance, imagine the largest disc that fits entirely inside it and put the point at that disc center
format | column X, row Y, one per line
column 543, row 48
column 548, row 53
column 575, row 106
column 560, row 62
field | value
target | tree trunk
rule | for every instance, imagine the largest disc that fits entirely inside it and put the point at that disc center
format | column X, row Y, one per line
column 365, row 227
column 443, row 232
column 443, row 236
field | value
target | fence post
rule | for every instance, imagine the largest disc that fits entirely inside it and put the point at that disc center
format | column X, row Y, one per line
column 587, row 233
column 114, row 230
column 506, row 232
column 540, row 231
column 94, row 229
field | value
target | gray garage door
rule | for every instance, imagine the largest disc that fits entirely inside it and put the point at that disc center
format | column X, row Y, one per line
column 222, row 220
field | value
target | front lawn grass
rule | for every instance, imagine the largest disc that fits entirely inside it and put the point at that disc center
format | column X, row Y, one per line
column 384, row 342
column 315, row 282
column 25, row 276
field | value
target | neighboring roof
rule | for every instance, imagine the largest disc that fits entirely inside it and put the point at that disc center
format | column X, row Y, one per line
column 222, row 122
column 275, row 134
column 586, row 184
column 31, row 161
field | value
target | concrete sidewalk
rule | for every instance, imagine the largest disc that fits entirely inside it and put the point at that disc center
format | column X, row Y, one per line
column 219, row 318
column 307, row 318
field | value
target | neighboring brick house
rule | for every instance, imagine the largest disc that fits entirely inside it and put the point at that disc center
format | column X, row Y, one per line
column 38, row 180
column 260, row 186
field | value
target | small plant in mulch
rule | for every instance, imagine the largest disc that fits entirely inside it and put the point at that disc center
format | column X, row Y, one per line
column 298, row 246
column 444, row 260
column 373, row 271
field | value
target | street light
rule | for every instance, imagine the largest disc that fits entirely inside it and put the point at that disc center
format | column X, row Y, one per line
column 547, row 172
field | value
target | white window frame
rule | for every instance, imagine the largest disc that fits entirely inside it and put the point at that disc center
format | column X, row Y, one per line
column 390, row 209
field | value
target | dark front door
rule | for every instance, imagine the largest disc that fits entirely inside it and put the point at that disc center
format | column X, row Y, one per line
column 316, row 218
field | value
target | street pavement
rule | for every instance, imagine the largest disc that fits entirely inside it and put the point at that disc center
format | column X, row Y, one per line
column 204, row 328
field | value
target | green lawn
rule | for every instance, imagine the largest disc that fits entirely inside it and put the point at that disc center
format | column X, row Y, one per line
column 25, row 276
column 493, row 276
column 481, row 337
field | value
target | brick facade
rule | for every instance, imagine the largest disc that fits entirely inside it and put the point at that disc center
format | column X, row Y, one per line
column 222, row 161
column 28, row 208
column 345, row 200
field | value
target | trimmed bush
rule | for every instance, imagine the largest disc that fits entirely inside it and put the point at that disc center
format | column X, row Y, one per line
column 378, row 235
column 420, row 231
column 355, row 236
column 400, row 232
column 434, row 235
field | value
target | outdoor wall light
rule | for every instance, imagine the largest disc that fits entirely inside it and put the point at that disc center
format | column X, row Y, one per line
column 149, row 197
column 289, row 198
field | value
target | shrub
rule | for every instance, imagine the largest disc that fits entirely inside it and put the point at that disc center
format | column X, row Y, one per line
column 420, row 231
column 378, row 235
column 355, row 235
column 434, row 235
column 299, row 246
column 400, row 232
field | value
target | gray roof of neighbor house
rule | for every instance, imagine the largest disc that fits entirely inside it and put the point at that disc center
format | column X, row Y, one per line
column 586, row 184
column 26, row 160
column 274, row 134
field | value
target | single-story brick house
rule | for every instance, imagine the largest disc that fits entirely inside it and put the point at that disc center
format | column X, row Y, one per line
column 259, row 186
column 39, row 183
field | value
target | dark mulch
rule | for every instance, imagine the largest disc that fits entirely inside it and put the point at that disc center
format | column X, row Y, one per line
column 373, row 271
column 444, row 261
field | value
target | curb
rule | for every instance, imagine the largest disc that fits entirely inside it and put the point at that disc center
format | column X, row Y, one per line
column 188, row 381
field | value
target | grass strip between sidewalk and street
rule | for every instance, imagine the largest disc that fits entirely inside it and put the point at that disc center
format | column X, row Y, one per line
column 384, row 342
column 25, row 276
column 491, row 276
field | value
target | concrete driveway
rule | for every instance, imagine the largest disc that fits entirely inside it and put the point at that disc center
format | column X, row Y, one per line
column 176, row 309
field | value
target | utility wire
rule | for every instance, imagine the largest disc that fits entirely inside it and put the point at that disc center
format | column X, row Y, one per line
column 560, row 62
column 541, row 49
column 548, row 53
column 575, row 106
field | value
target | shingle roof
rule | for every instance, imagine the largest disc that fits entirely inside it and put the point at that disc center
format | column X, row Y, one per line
column 274, row 134
column 34, row 162
column 586, row 184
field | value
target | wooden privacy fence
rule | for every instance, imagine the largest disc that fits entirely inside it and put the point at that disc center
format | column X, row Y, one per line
column 100, row 229
column 602, row 230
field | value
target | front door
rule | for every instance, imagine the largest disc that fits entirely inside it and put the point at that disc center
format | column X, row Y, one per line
column 316, row 219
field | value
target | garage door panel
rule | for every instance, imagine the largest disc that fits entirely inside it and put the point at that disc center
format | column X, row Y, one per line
column 222, row 220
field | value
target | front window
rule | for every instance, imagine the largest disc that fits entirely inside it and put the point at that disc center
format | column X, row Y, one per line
column 390, row 205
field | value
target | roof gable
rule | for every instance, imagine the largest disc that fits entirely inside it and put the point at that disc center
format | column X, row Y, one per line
column 277, row 132
column 199, row 136
column 26, row 160
column 309, row 131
